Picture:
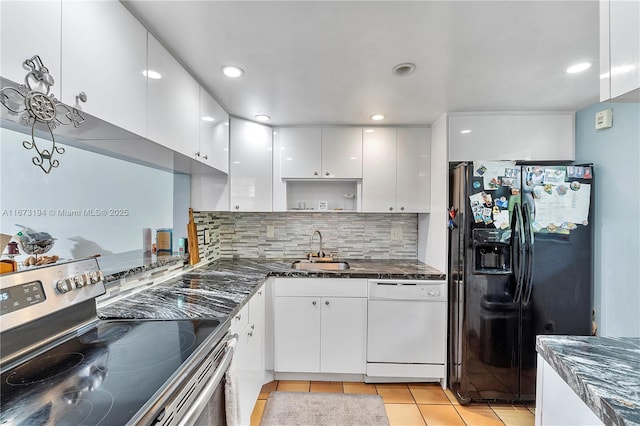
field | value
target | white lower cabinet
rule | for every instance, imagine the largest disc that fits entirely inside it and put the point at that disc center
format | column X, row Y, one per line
column 249, row 354
column 557, row 403
column 320, row 325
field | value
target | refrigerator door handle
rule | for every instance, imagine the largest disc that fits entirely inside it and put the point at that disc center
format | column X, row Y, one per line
column 528, row 279
column 519, row 247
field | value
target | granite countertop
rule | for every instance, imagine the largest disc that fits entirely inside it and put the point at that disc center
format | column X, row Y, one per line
column 220, row 288
column 603, row 371
column 122, row 265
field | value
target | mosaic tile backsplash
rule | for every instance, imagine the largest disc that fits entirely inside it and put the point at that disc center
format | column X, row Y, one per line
column 228, row 235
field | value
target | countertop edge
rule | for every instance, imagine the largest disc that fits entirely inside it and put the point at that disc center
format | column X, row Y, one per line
column 585, row 391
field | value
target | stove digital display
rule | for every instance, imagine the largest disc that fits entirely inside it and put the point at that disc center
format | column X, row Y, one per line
column 21, row 296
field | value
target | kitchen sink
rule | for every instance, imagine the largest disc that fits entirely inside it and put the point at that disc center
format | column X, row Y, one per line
column 320, row 265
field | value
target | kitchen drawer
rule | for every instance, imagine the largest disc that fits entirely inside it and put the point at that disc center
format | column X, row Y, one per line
column 240, row 320
column 321, row 287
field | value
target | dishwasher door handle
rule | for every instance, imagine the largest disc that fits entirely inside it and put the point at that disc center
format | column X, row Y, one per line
column 199, row 404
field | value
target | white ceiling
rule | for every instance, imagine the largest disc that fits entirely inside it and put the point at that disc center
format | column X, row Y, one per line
column 329, row 62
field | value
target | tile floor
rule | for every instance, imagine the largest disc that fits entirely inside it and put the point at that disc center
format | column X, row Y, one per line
column 411, row 404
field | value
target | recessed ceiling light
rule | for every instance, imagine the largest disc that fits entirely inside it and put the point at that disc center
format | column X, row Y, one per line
column 377, row 117
column 464, row 132
column 369, row 130
column 262, row 117
column 578, row 67
column 232, row 71
column 402, row 70
column 207, row 118
column 154, row 75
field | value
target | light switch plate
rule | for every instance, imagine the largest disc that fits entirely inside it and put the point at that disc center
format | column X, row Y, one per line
column 271, row 231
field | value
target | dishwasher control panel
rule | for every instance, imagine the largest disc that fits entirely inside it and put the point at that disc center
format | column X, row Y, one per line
column 425, row 290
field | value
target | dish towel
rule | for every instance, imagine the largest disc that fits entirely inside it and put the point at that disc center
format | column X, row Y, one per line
column 231, row 395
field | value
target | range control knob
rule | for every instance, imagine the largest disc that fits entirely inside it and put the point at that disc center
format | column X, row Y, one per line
column 79, row 281
column 94, row 277
column 64, row 286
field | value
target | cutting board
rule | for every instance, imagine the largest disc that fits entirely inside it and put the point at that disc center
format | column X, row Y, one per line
column 192, row 235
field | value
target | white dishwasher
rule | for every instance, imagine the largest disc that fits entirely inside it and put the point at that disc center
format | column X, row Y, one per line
column 407, row 331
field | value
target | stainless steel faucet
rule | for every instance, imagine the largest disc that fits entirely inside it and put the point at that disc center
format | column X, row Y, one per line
column 320, row 253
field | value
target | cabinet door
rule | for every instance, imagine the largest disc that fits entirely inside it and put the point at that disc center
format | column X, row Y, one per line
column 250, row 363
column 104, row 52
column 214, row 133
column 28, row 29
column 343, row 335
column 250, row 168
column 342, row 152
column 413, row 182
column 173, row 103
column 544, row 137
column 485, row 137
column 379, row 170
column 624, row 30
column 300, row 151
column 297, row 334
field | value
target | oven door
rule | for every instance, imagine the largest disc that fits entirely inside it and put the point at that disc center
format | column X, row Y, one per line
column 200, row 400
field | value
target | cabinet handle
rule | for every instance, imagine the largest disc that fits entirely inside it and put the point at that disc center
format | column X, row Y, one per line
column 401, row 208
column 253, row 326
column 237, row 207
column 326, row 173
column 326, row 303
column 390, row 208
column 81, row 97
column 206, row 157
column 250, row 333
column 198, row 154
column 315, row 173
column 313, row 303
column 238, row 317
column 260, row 293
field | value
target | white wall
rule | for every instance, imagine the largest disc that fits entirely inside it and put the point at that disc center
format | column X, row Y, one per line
column 432, row 228
column 143, row 196
column 615, row 153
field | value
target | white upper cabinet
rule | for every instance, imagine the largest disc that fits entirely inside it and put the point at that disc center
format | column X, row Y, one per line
column 619, row 50
column 300, row 152
column 396, row 170
column 342, row 152
column 313, row 152
column 214, row 133
column 529, row 137
column 251, row 166
column 173, row 102
column 379, row 170
column 413, row 175
column 104, row 53
column 28, row 29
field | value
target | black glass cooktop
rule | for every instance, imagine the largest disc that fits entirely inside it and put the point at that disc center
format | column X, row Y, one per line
column 102, row 377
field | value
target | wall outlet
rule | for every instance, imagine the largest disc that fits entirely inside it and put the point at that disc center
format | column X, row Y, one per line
column 396, row 233
column 207, row 236
column 271, row 231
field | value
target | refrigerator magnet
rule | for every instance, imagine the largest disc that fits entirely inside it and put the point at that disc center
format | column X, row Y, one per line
column 480, row 170
column 587, row 172
column 575, row 186
column 502, row 202
column 548, row 188
column 476, row 184
column 571, row 172
column 579, row 172
column 561, row 189
column 511, row 173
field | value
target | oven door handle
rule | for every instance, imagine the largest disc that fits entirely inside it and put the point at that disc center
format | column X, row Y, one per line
column 205, row 395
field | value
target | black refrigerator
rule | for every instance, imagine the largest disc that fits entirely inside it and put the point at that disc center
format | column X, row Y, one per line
column 520, row 265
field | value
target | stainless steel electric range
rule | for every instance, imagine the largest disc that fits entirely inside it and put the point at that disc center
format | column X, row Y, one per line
column 61, row 365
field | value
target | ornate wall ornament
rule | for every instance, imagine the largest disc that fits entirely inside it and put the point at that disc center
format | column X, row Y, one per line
column 38, row 107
